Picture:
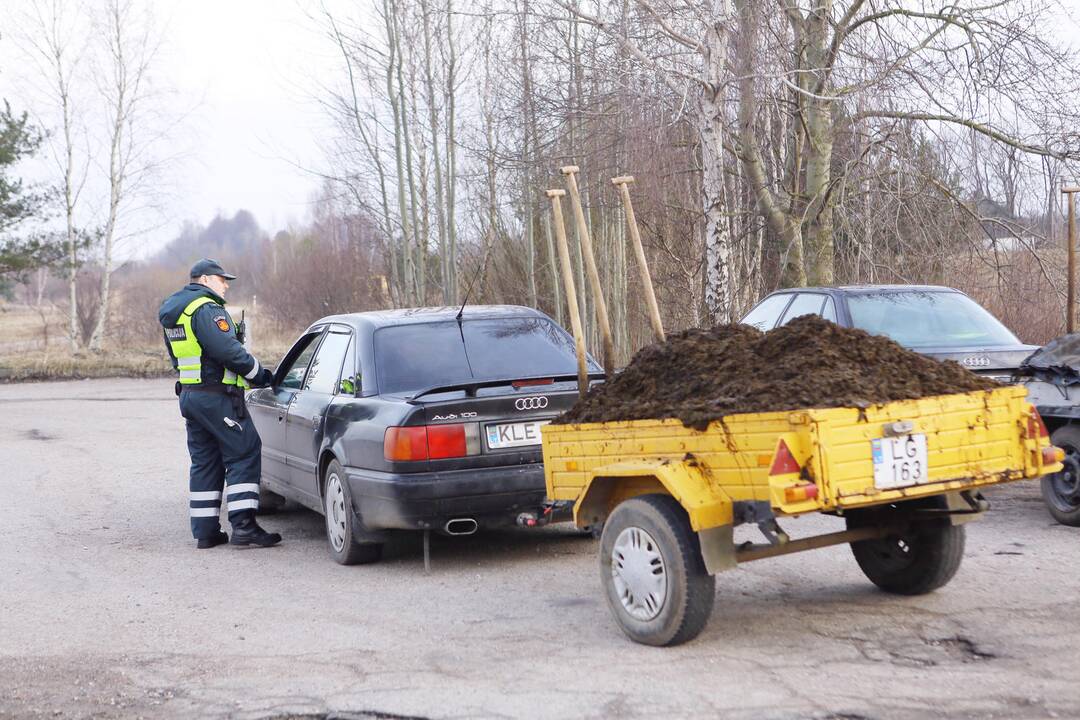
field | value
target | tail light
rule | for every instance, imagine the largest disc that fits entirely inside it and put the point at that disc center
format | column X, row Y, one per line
column 405, row 443
column 431, row 442
column 529, row 383
column 798, row 493
column 783, row 461
column 1052, row 455
column 1035, row 425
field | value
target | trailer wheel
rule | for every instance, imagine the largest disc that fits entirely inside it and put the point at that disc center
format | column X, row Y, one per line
column 652, row 572
column 1061, row 491
column 921, row 559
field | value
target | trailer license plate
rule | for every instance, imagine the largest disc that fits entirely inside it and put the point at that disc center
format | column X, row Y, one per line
column 510, row 435
column 899, row 461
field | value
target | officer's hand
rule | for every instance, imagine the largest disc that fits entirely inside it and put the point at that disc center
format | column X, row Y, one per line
column 263, row 379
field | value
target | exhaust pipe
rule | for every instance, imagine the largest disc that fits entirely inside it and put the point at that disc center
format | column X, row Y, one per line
column 460, row 526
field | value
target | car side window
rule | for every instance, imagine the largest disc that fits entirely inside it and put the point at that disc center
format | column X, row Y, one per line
column 350, row 375
column 293, row 379
column 322, row 376
column 829, row 311
column 803, row 304
column 764, row 315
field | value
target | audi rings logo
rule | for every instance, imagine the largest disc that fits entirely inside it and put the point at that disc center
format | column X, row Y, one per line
column 531, row 403
column 976, row 361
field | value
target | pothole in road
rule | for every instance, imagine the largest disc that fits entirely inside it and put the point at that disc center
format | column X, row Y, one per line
column 962, row 649
column 923, row 652
column 349, row 715
column 35, row 434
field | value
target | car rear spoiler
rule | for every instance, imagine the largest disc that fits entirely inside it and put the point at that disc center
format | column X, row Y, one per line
column 470, row 388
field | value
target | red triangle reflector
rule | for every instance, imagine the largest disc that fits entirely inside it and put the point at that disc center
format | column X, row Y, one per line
column 783, row 461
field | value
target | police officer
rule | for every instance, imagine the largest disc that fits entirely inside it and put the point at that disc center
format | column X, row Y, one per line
column 214, row 367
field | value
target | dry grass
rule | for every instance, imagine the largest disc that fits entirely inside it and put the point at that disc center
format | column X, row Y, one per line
column 26, row 356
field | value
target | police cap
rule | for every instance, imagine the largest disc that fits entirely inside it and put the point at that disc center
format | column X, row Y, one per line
column 206, row 266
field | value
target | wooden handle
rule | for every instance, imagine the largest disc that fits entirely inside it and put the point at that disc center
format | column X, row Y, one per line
column 593, row 274
column 571, row 291
column 622, row 180
column 643, row 265
column 568, row 169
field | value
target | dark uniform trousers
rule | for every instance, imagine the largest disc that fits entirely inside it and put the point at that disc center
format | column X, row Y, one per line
column 226, row 455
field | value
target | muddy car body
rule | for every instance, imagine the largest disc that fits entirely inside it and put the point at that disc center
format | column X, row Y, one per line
column 420, row 419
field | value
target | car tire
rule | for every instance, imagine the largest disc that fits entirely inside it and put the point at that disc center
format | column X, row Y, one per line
column 922, row 558
column 341, row 521
column 1061, row 491
column 653, row 573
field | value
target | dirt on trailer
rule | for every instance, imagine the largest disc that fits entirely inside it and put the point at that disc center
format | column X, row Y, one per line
column 699, row 375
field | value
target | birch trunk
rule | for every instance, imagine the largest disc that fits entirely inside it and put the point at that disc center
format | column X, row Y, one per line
column 718, row 251
column 433, row 127
column 451, row 150
column 393, row 59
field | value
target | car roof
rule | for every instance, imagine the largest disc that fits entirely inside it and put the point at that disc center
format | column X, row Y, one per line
column 375, row 319
column 867, row 289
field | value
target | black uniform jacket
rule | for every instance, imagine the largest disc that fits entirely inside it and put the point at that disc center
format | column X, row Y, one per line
column 213, row 329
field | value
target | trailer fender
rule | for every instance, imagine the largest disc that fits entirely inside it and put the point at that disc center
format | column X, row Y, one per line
column 709, row 508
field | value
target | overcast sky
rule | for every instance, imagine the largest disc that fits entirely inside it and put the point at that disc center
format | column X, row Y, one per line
column 244, row 74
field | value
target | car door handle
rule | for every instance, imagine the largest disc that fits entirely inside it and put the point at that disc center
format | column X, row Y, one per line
column 316, row 420
column 280, row 417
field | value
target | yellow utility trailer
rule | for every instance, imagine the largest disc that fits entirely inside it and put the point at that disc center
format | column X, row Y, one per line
column 905, row 475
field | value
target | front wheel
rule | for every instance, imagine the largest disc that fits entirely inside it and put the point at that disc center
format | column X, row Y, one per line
column 919, row 559
column 1061, row 491
column 652, row 572
column 341, row 521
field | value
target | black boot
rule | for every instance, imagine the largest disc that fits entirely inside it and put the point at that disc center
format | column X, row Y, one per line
column 248, row 532
column 213, row 541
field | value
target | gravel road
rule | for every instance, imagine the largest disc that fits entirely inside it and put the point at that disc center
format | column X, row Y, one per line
column 108, row 611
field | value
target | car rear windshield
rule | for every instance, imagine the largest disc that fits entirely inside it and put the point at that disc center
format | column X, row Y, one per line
column 918, row 319
column 413, row 357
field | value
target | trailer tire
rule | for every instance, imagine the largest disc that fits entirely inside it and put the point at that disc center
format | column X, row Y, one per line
column 653, row 573
column 1061, row 491
column 922, row 558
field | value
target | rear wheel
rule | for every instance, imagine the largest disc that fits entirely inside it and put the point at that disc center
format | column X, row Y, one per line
column 652, row 572
column 921, row 558
column 1061, row 491
column 341, row 521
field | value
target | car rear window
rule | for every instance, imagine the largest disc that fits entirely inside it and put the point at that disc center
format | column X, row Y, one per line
column 918, row 319
column 413, row 357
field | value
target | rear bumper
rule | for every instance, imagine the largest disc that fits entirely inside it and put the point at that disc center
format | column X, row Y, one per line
column 416, row 501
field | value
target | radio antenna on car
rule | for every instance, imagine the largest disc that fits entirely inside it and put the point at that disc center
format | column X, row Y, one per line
column 468, row 290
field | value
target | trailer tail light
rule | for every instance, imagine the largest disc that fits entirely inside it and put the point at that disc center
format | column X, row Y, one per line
column 405, row 443
column 1052, row 455
column 1036, row 428
column 431, row 442
column 784, row 462
column 798, row 493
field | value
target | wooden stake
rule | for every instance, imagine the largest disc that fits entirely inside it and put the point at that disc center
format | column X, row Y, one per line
column 622, row 182
column 1070, row 297
column 590, row 264
column 571, row 291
